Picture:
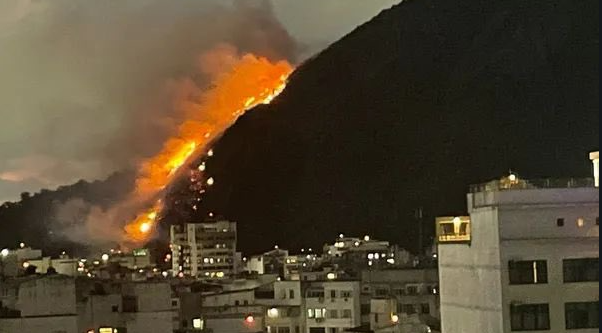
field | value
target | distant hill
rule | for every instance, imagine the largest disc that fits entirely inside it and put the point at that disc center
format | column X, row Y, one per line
column 31, row 220
column 404, row 112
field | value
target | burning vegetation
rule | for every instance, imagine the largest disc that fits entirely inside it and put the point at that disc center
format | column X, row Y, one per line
column 242, row 83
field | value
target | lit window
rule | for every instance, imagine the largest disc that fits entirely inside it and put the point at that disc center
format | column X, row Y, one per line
column 580, row 222
column 320, row 313
column 273, row 313
column 197, row 323
column 453, row 229
column 310, row 313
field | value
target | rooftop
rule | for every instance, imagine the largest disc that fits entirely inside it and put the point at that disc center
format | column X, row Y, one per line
column 512, row 182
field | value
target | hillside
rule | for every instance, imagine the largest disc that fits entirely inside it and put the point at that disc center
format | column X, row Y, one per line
column 407, row 111
column 404, row 112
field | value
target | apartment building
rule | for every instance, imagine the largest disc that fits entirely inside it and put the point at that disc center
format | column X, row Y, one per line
column 204, row 250
column 524, row 258
column 332, row 306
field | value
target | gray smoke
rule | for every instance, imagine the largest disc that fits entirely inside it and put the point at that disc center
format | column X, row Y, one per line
column 86, row 83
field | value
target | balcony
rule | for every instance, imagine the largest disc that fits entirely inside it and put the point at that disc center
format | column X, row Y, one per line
column 453, row 229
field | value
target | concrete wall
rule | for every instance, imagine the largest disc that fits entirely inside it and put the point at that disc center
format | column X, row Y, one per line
column 47, row 296
column 469, row 279
column 150, row 322
column 62, row 324
column 243, row 297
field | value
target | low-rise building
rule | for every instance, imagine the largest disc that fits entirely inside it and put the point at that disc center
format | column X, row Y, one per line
column 331, row 306
column 58, row 303
column 415, row 290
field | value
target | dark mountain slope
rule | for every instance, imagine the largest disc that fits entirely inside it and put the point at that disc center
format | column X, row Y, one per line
column 407, row 111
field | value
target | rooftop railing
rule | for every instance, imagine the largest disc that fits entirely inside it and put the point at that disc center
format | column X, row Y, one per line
column 522, row 184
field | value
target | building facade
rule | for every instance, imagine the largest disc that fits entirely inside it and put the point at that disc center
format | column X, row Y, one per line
column 525, row 258
column 204, row 250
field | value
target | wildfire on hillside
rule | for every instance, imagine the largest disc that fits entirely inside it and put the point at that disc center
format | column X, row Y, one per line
column 250, row 81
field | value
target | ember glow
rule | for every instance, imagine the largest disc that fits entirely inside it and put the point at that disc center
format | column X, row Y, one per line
column 251, row 80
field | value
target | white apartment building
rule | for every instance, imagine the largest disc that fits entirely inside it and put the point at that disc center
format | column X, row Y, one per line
column 526, row 258
column 204, row 250
column 332, row 306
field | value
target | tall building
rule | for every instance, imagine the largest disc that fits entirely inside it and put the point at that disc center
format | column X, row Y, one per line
column 525, row 258
column 204, row 250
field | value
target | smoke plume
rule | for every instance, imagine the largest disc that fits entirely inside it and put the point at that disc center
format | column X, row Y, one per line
column 88, row 83
column 98, row 84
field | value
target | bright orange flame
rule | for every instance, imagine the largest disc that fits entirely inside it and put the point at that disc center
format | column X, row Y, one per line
column 251, row 81
column 139, row 229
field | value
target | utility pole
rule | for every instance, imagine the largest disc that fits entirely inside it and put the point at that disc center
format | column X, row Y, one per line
column 420, row 231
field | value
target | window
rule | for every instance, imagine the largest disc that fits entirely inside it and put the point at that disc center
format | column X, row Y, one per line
column 333, row 314
column 381, row 292
column 365, row 309
column 129, row 303
column 317, row 330
column 346, row 294
column 529, row 317
column 320, row 313
column 284, row 329
column 528, row 272
column 236, row 303
column 580, row 270
column 198, row 323
column 406, row 308
column 315, row 294
column 376, row 317
column 310, row 313
column 333, row 294
column 560, row 222
column 580, row 222
column 597, row 220
column 291, row 294
column 332, row 330
column 115, row 308
column 425, row 308
column 174, row 302
column 412, row 290
column 581, row 315
column 346, row 313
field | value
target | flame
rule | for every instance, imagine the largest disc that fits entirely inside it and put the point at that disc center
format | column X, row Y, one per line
column 251, row 81
column 140, row 228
